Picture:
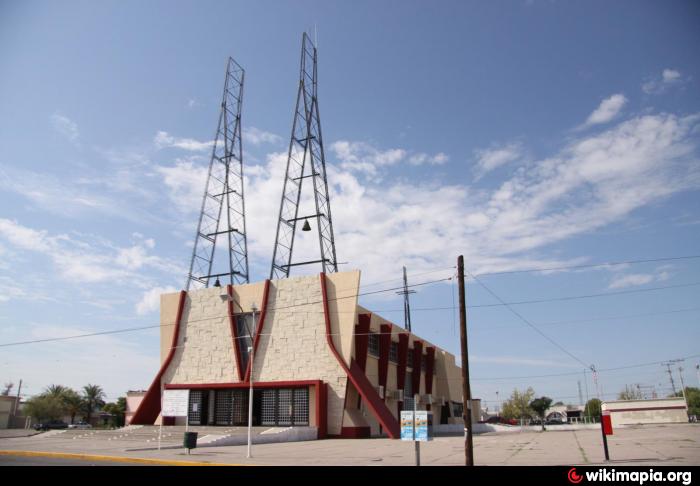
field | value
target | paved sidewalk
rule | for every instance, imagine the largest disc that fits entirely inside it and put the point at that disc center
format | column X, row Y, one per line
column 644, row 445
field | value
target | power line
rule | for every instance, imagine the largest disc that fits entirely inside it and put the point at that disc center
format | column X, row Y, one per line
column 594, row 319
column 592, row 265
column 639, row 365
column 536, row 329
column 585, row 296
column 133, row 329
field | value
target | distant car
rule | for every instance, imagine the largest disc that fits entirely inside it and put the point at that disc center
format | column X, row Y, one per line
column 51, row 425
column 80, row 425
column 501, row 420
column 554, row 421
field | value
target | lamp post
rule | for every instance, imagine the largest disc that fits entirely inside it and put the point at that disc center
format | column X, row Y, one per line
column 251, row 354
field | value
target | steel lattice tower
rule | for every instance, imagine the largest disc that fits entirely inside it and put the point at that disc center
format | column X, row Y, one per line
column 306, row 143
column 223, row 205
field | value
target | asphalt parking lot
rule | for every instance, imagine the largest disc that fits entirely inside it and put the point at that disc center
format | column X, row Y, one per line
column 672, row 444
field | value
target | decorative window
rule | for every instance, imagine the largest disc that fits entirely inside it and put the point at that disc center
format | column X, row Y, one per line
column 374, row 344
column 244, row 326
column 394, row 352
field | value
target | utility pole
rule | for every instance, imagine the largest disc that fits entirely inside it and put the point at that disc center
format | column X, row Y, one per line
column 685, row 399
column 668, row 364
column 466, row 389
column 580, row 395
column 406, row 304
column 697, row 370
column 19, row 397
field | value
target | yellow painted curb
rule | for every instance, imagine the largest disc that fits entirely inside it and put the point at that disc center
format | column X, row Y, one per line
column 93, row 457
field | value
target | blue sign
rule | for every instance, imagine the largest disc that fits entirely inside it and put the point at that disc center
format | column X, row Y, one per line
column 407, row 425
column 422, row 426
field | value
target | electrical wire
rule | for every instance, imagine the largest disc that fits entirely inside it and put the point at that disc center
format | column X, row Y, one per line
column 592, row 265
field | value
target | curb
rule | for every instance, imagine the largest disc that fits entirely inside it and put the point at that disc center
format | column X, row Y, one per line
column 94, row 457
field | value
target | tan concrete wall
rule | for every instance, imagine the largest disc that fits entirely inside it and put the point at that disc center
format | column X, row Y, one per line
column 293, row 344
column 168, row 314
column 204, row 352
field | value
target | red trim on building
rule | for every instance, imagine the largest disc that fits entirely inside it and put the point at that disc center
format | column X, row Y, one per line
column 679, row 407
column 260, row 324
column 429, row 366
column 362, row 339
column 321, row 393
column 417, row 356
column 256, row 384
column 355, row 432
column 149, row 408
column 401, row 368
column 384, row 348
column 234, row 333
column 358, row 378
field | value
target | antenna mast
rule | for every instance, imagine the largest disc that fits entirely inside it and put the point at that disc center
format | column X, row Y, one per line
column 223, row 206
column 306, row 143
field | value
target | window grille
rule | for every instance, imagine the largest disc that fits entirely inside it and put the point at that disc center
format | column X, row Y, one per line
column 269, row 407
column 394, row 352
column 194, row 410
column 224, row 407
column 374, row 344
column 301, row 406
column 284, row 407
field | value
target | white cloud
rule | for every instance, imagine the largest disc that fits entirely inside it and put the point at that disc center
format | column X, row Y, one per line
column 670, row 75
column 661, row 274
column 669, row 78
column 165, row 140
column 593, row 181
column 364, row 158
column 66, row 127
column 607, row 110
column 186, row 181
column 255, row 136
column 422, row 158
column 630, row 280
column 492, row 158
column 77, row 260
column 150, row 300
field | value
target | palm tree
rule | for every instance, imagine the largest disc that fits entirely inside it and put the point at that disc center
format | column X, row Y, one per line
column 94, row 397
column 74, row 403
column 55, row 391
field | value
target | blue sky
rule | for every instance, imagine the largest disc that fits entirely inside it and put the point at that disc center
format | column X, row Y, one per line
column 529, row 134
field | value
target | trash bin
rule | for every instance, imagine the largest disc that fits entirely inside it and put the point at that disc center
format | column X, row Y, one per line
column 190, row 441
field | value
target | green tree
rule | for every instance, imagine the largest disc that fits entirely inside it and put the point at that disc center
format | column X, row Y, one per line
column 117, row 410
column 45, row 407
column 518, row 405
column 692, row 395
column 94, row 398
column 630, row 393
column 55, row 391
column 74, row 403
column 540, row 407
column 592, row 409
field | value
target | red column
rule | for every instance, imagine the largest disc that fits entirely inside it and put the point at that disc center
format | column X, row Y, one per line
column 401, row 366
column 429, row 367
column 417, row 355
column 362, row 340
column 384, row 347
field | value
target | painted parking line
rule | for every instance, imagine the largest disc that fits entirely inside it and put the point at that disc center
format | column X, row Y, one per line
column 94, row 457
